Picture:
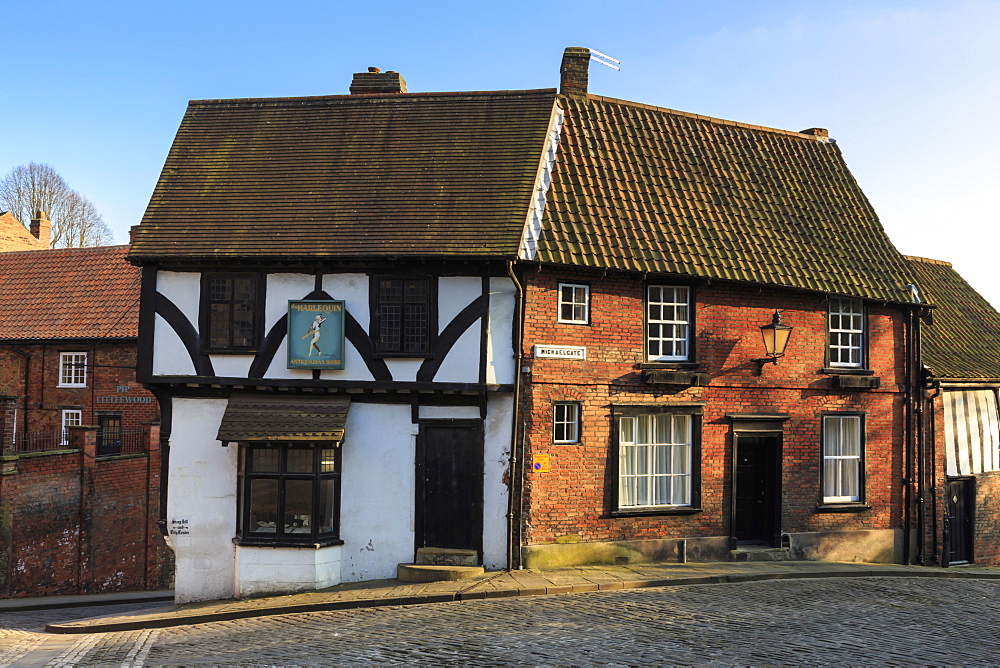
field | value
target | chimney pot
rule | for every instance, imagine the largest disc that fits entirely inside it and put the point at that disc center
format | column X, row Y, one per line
column 374, row 70
column 41, row 228
column 575, row 70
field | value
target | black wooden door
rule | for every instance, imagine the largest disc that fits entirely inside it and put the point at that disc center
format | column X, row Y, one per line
column 755, row 507
column 450, row 484
column 959, row 507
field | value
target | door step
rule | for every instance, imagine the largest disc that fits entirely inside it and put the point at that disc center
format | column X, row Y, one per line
column 445, row 556
column 760, row 553
column 434, row 573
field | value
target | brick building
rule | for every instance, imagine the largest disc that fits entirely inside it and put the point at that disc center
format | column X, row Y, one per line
column 652, row 428
column 546, row 311
column 960, row 444
column 15, row 237
column 80, row 457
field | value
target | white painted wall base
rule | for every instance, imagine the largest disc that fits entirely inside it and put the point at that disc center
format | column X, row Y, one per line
column 284, row 570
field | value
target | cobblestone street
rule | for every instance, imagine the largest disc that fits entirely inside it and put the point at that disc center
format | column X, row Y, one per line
column 827, row 621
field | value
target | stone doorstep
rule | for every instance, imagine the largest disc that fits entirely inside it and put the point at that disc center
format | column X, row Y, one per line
column 755, row 553
column 445, row 556
column 436, row 573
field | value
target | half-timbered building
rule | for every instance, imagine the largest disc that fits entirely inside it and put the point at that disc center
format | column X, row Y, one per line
column 328, row 321
column 960, row 445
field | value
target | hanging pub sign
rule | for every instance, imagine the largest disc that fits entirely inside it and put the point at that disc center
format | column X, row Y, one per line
column 316, row 334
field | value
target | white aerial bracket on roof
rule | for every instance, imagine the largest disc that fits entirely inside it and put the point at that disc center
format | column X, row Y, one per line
column 605, row 60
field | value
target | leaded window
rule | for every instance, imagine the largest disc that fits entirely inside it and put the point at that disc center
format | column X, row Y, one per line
column 231, row 305
column 404, row 316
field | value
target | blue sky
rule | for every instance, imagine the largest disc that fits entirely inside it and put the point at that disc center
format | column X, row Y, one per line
column 909, row 89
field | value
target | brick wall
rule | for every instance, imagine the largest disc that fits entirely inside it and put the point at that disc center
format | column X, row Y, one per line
column 77, row 523
column 82, row 524
column 111, row 386
column 573, row 500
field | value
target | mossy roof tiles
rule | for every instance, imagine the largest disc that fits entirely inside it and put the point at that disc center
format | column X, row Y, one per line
column 70, row 293
column 347, row 176
column 964, row 341
column 648, row 189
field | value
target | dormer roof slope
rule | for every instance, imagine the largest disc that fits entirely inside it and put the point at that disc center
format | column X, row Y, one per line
column 649, row 189
column 964, row 341
column 388, row 175
column 70, row 293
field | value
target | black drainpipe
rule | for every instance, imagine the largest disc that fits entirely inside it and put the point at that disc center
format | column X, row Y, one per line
column 516, row 482
column 166, row 418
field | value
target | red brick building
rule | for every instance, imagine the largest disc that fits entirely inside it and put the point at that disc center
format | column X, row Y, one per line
column 15, row 237
column 960, row 444
column 655, row 428
column 80, row 451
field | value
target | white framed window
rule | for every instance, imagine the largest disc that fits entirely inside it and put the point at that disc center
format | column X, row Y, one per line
column 70, row 418
column 574, row 303
column 565, row 422
column 655, row 461
column 846, row 331
column 668, row 322
column 72, row 369
column 842, row 458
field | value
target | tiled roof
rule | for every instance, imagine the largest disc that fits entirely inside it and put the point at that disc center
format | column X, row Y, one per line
column 964, row 341
column 649, row 189
column 347, row 176
column 15, row 237
column 70, row 293
column 263, row 417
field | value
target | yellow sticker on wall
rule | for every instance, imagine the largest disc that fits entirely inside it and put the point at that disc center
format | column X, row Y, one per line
column 540, row 463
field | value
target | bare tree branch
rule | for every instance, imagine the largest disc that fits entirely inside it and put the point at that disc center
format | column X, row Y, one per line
column 27, row 189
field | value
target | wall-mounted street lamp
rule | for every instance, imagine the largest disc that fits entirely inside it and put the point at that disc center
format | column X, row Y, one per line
column 775, row 340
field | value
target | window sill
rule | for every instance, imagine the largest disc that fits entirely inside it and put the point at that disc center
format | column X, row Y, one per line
column 842, row 507
column 403, row 356
column 71, row 387
column 286, row 542
column 847, row 371
column 660, row 510
column 686, row 366
column 229, row 351
column 572, row 322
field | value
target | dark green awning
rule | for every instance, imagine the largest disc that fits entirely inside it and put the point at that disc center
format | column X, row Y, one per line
column 253, row 417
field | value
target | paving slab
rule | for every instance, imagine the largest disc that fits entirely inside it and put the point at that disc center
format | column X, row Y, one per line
column 558, row 581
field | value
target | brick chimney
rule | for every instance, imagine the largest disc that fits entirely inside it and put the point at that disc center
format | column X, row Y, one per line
column 377, row 81
column 41, row 228
column 574, row 71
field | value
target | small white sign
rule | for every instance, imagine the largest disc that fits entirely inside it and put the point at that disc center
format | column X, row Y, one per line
column 562, row 352
column 180, row 526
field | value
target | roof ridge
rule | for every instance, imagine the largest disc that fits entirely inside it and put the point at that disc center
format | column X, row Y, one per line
column 926, row 260
column 369, row 96
column 701, row 117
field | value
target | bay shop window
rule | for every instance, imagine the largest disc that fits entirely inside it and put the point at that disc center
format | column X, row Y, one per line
column 289, row 467
column 289, row 493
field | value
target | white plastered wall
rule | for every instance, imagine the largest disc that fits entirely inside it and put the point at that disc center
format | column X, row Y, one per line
column 183, row 289
column 377, row 491
column 496, row 462
column 202, row 497
column 500, row 362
